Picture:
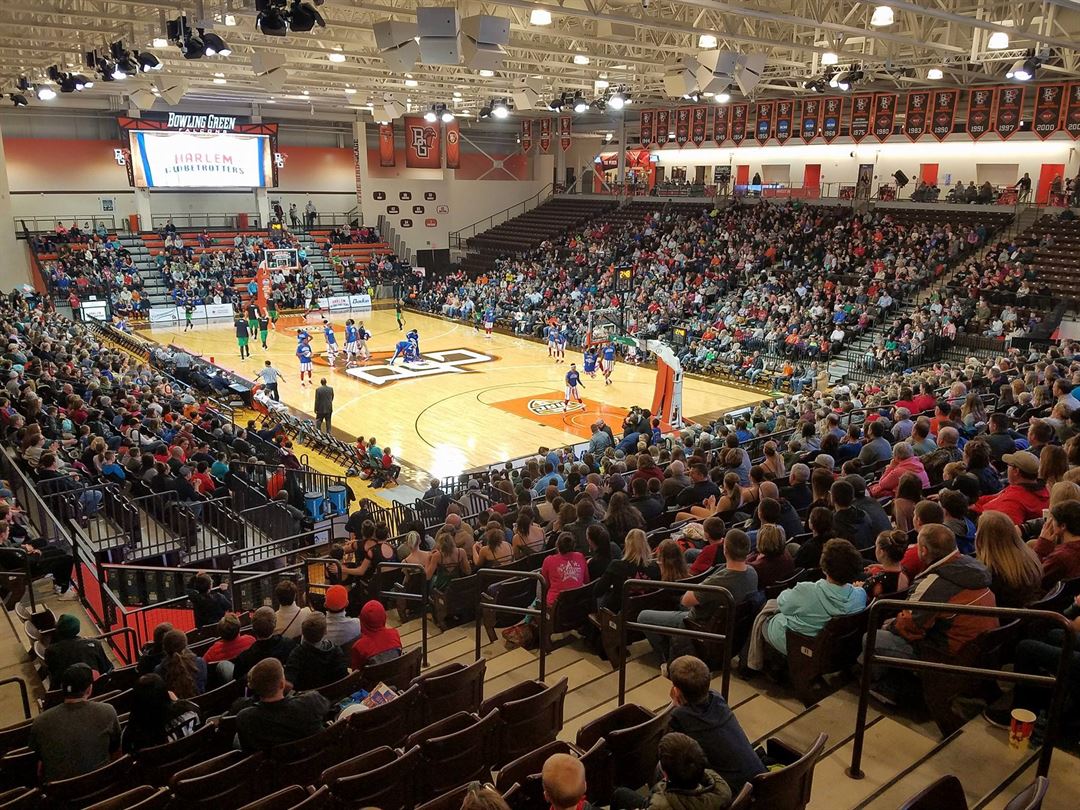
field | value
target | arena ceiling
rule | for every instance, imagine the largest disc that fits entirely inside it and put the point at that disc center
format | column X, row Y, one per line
column 625, row 42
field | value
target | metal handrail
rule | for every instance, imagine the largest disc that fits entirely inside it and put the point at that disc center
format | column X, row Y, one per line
column 27, row 577
column 422, row 597
column 540, row 613
column 456, row 236
column 1056, row 682
column 127, row 633
column 23, row 690
column 725, row 639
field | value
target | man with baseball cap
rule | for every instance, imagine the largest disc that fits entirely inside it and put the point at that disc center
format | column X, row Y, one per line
column 341, row 630
column 1025, row 497
column 78, row 735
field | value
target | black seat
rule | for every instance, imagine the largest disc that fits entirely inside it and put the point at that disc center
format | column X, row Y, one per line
column 20, row 798
column 632, row 735
column 78, row 791
column 304, row 760
column 397, row 672
column 531, row 715
column 570, row 611
column 388, row 724
column 451, row 688
column 455, row 602
column 293, row 797
column 790, row 786
column 383, row 778
column 222, row 781
column 343, row 687
column 144, row 797
column 455, row 750
column 743, row 800
column 1031, row 797
column 510, row 592
column 835, row 649
column 945, row 794
column 156, row 765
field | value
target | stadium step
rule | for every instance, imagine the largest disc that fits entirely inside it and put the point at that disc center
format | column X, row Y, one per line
column 1064, row 785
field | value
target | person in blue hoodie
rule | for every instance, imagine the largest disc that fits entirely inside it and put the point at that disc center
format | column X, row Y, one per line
column 704, row 715
column 809, row 606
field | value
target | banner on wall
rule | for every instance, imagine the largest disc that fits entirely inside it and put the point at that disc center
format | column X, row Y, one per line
column 545, row 135
column 526, row 136
column 453, row 145
column 811, row 115
column 682, row 125
column 918, row 105
column 739, row 114
column 645, row 124
column 944, row 113
column 564, row 132
column 884, row 115
column 1048, row 105
column 386, row 144
column 785, row 111
column 1072, row 111
column 1010, row 105
column 980, row 102
column 422, row 144
column 721, row 115
column 763, row 120
column 862, row 107
column 661, row 126
column 356, row 168
column 863, row 181
column 699, row 118
column 832, row 109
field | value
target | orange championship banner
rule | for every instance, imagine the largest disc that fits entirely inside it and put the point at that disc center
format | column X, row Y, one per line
column 662, row 118
column 811, row 119
column 1072, row 111
column 545, row 135
column 832, row 110
column 565, row 138
column 943, row 116
column 918, row 105
column 720, row 124
column 682, row 125
column 862, row 107
column 699, row 124
column 422, row 144
column 980, row 102
column 1049, row 102
column 453, row 144
column 386, row 144
column 1010, row 105
column 884, row 115
column 739, row 114
column 785, row 114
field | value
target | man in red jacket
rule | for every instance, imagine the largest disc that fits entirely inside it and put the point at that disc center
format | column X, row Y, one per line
column 1025, row 497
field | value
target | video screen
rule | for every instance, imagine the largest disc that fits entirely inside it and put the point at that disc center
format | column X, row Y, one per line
column 200, row 160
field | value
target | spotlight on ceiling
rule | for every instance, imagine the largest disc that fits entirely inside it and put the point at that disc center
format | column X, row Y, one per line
column 214, row 45
column 303, row 17
column 271, row 20
column 579, row 104
column 882, row 16
column 829, row 58
column 45, row 93
column 540, row 16
column 706, row 41
column 998, row 41
column 558, row 102
column 581, row 59
column 723, row 98
column 934, row 74
column 18, row 99
column 336, row 56
column 617, row 100
column 499, row 108
column 439, row 112
column 147, row 61
column 1024, row 70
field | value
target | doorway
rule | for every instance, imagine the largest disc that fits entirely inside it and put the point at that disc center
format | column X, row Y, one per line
column 1047, row 174
column 928, row 173
column 811, row 176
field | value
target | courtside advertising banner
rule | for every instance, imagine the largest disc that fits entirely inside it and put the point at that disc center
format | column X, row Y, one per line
column 162, row 159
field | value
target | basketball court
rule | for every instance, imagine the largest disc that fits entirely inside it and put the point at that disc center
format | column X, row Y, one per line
column 472, row 401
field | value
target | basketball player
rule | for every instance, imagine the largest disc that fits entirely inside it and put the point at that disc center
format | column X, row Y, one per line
column 560, row 345
column 573, row 380
column 272, row 306
column 362, row 337
column 489, row 321
column 331, row 341
column 264, row 328
column 413, row 336
column 189, row 312
column 590, row 362
column 242, row 334
column 398, row 315
column 304, row 353
column 252, row 316
column 551, row 331
column 313, row 300
column 350, row 342
column 607, row 363
column 404, row 349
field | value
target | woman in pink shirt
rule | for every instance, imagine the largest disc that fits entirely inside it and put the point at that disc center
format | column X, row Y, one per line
column 565, row 569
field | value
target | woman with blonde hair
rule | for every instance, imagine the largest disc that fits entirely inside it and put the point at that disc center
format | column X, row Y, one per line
column 1016, row 573
column 636, row 563
column 773, row 462
column 1053, row 464
column 973, row 411
column 672, row 561
column 416, row 555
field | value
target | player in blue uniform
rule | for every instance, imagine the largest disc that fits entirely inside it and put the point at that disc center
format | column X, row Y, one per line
column 331, row 341
column 560, row 345
column 590, row 362
column 304, row 354
column 404, row 349
column 351, row 338
column 413, row 337
column 607, row 363
column 550, row 332
column 573, row 380
column 489, row 321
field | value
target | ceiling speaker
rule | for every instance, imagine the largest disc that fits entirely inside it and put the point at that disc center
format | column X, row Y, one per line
column 437, row 22
column 487, row 28
column 748, row 71
column 717, row 70
column 265, row 61
column 172, row 90
column 680, row 78
column 142, row 99
column 274, row 81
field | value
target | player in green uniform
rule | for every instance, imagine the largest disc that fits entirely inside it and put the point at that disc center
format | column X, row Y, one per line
column 264, row 329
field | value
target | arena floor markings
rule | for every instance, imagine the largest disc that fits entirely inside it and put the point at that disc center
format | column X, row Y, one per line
column 471, row 401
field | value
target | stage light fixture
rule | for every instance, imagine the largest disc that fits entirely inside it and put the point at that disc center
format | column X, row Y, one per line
column 336, row 56
column 446, row 116
column 487, row 74
column 581, row 59
column 271, row 21
column 934, row 74
column 430, row 116
column 1024, row 70
column 723, row 98
column 499, row 108
column 159, row 42
column 540, row 16
column 617, row 100
column 998, row 41
column 558, row 102
column 579, row 103
column 303, row 17
column 147, row 61
column 18, row 99
column 214, row 45
column 829, row 58
column 882, row 16
column 706, row 41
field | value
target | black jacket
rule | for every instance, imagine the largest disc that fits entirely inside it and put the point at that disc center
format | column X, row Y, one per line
column 310, row 666
column 273, row 647
column 854, row 525
column 716, row 729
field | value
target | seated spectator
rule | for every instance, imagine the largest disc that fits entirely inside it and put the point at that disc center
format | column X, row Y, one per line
column 290, row 616
column 41, row 558
column 879, row 519
column 955, row 504
column 808, row 553
column 315, row 661
column 157, row 716
column 773, row 509
column 453, row 561
column 949, row 577
column 903, row 462
column 908, row 496
column 849, row 521
column 887, row 575
column 152, row 653
column 809, row 606
column 704, row 559
column 184, row 672
column 528, row 535
column 377, row 642
column 268, row 644
column 494, row 552
column 78, row 735
column 702, row 714
column 798, row 493
column 687, row 782
column 636, row 563
column 68, row 648
column 672, row 563
column 1015, row 571
column 947, row 452
column 977, row 461
column 565, row 569
column 340, row 629
column 877, row 448
column 771, row 559
column 208, row 603
column 276, row 718
column 1025, row 497
column 736, row 576
column 1058, row 544
column 563, row 777
column 231, row 643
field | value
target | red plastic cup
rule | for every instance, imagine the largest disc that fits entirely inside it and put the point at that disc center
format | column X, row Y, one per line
column 1020, row 727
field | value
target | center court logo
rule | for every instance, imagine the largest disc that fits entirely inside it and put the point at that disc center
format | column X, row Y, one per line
column 548, row 407
column 449, row 361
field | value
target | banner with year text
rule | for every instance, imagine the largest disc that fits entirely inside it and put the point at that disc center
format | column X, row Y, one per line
column 811, row 119
column 763, row 120
column 739, row 115
column 862, row 110
column 645, row 125
column 980, row 104
column 785, row 112
column 565, row 139
column 1072, row 111
column 915, row 116
column 943, row 103
column 721, row 117
column 832, row 111
column 545, row 135
column 1010, row 106
column 1049, row 101
column 682, row 125
column 526, row 136
column 699, row 120
column 662, row 119
column 884, row 115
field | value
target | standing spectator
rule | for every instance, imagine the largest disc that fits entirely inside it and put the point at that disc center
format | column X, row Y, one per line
column 275, row 719
column 294, row 219
column 1023, row 188
column 77, row 736
column 324, row 406
column 310, row 214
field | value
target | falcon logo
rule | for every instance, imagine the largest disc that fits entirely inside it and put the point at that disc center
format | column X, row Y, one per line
column 451, row 138
column 547, row 407
column 422, row 139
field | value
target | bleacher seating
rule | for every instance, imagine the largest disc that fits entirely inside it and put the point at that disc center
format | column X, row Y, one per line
column 1058, row 266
